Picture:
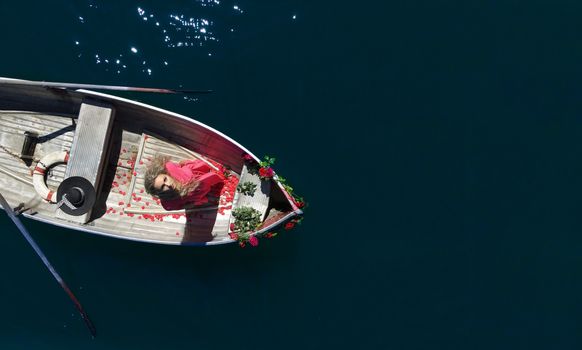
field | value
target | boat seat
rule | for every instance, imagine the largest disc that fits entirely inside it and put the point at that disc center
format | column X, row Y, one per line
column 259, row 200
column 89, row 149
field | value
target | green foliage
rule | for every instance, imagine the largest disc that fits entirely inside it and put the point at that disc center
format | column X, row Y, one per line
column 289, row 189
column 267, row 162
column 247, row 219
column 247, row 188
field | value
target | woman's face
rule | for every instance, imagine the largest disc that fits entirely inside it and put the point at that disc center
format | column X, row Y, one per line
column 164, row 183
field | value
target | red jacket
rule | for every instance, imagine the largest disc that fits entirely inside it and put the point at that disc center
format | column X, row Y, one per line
column 184, row 173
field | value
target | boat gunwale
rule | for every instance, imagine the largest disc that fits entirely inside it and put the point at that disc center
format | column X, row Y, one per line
column 85, row 228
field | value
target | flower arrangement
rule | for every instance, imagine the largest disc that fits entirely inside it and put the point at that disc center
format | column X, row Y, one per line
column 266, row 167
column 247, row 219
column 266, row 172
column 247, row 188
column 263, row 168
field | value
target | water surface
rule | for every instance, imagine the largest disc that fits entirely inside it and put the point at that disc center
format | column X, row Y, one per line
column 436, row 142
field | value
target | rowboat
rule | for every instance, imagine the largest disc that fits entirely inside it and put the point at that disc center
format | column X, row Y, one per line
column 58, row 142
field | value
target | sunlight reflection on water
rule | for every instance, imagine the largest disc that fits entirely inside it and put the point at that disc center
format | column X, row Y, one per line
column 122, row 49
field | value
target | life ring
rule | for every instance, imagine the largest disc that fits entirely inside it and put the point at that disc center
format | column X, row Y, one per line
column 40, row 171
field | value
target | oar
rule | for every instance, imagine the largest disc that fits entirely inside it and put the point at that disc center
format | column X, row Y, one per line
column 56, row 275
column 11, row 81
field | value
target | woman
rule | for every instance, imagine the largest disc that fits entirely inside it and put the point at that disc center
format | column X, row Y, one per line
column 180, row 184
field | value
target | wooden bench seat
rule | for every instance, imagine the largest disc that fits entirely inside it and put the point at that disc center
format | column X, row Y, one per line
column 89, row 149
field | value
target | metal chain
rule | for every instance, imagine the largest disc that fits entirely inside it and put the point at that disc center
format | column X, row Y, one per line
column 15, row 155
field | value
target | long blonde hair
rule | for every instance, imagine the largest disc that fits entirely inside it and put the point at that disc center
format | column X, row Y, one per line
column 156, row 167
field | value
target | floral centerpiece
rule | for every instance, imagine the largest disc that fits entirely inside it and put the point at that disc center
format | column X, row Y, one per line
column 247, row 219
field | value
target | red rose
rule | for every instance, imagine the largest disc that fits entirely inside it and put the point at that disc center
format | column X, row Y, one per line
column 232, row 227
column 254, row 241
column 300, row 204
column 289, row 225
column 233, row 236
column 266, row 172
column 242, row 244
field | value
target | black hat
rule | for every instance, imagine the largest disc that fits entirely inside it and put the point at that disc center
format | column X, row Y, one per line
column 80, row 194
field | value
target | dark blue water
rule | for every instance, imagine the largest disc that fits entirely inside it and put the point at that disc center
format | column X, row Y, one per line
column 437, row 143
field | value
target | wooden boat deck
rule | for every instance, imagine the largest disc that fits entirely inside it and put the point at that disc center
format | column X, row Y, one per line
column 56, row 133
column 123, row 209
